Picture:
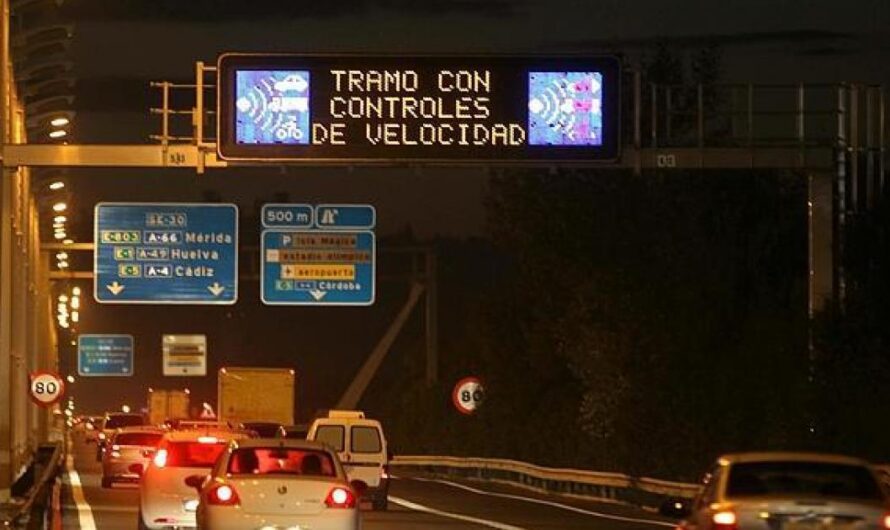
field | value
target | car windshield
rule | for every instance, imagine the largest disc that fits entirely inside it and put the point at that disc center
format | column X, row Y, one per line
column 129, row 420
column 194, row 454
column 802, row 479
column 281, row 461
column 143, row 439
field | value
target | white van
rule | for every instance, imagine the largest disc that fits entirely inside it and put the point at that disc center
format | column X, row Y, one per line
column 361, row 446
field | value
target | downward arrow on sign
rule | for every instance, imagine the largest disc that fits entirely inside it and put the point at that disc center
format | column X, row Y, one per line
column 318, row 295
column 115, row 288
column 216, row 289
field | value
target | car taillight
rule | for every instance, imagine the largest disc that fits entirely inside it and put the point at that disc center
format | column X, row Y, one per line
column 725, row 520
column 885, row 522
column 223, row 495
column 340, row 498
column 160, row 459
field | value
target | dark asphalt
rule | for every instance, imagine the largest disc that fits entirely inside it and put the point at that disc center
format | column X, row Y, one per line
column 414, row 505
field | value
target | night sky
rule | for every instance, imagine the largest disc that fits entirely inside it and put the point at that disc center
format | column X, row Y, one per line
column 122, row 45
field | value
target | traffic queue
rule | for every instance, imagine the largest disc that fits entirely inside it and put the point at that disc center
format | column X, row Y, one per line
column 212, row 474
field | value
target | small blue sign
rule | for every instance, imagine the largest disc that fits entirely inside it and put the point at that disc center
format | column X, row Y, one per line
column 105, row 355
column 315, row 267
column 345, row 216
column 166, row 253
column 287, row 216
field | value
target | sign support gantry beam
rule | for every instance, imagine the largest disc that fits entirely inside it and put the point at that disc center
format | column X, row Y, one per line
column 204, row 156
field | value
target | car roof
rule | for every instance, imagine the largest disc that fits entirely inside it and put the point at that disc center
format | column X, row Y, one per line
column 141, row 429
column 364, row 422
column 194, row 435
column 777, row 456
column 289, row 443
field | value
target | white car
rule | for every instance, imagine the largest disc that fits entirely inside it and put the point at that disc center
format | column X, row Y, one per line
column 165, row 500
column 278, row 484
column 361, row 446
column 787, row 491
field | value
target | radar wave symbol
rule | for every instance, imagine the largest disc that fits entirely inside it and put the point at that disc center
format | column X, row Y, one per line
column 551, row 107
column 257, row 105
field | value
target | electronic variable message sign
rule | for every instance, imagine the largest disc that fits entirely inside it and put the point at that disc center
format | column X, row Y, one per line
column 384, row 109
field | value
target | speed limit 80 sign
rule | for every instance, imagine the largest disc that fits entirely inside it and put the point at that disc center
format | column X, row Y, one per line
column 47, row 388
column 468, row 395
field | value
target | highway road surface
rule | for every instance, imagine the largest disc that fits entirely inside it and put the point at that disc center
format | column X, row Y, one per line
column 415, row 504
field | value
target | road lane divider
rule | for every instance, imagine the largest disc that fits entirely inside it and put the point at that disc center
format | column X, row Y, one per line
column 552, row 504
column 84, row 512
column 449, row 515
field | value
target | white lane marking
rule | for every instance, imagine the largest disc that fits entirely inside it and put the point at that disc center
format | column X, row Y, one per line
column 84, row 512
column 552, row 504
column 465, row 518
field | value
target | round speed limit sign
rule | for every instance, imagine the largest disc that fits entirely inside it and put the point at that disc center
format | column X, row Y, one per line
column 468, row 395
column 47, row 388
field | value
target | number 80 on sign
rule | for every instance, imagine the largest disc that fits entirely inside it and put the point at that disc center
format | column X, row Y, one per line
column 46, row 389
column 468, row 395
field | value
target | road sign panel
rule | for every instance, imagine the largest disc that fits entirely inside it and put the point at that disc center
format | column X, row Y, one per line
column 373, row 109
column 166, row 253
column 105, row 355
column 287, row 216
column 345, row 216
column 315, row 267
column 468, row 395
column 185, row 355
column 46, row 388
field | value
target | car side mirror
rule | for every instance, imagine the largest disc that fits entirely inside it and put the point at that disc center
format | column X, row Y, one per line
column 136, row 469
column 195, row 481
column 676, row 508
column 359, row 487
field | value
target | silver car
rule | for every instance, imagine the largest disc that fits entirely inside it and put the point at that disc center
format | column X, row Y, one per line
column 787, row 491
column 128, row 447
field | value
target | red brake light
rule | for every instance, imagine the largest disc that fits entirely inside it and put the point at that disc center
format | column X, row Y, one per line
column 160, row 459
column 340, row 498
column 223, row 495
column 725, row 520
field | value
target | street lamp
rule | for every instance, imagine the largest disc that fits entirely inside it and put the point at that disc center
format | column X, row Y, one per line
column 61, row 121
column 58, row 133
column 60, row 207
column 56, row 185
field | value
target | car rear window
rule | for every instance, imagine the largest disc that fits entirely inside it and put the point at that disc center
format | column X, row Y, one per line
column 331, row 435
column 193, row 454
column 366, row 440
column 116, row 422
column 281, row 461
column 802, row 479
column 143, row 439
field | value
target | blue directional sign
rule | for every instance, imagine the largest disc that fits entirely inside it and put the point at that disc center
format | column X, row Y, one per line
column 166, row 253
column 105, row 355
column 345, row 216
column 330, row 266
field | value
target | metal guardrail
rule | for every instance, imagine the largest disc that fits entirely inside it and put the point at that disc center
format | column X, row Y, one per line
column 32, row 513
column 610, row 487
